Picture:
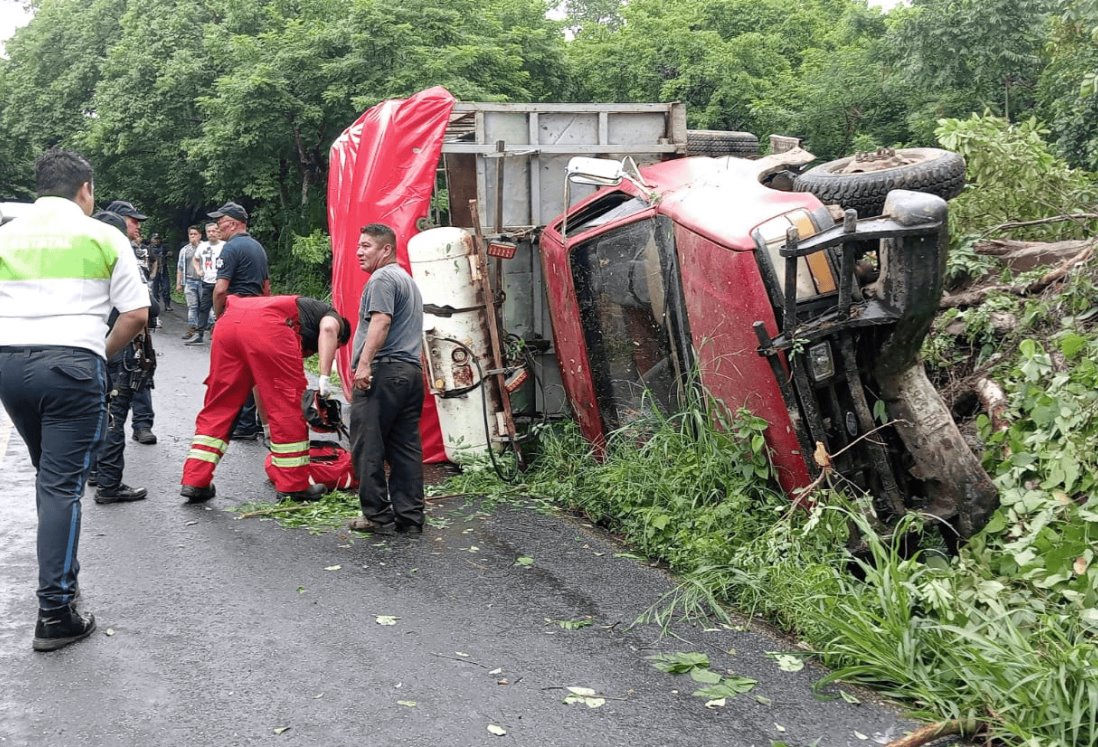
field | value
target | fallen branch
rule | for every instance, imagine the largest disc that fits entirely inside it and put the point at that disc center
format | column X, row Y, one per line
column 1040, row 222
column 462, row 659
column 927, row 734
column 994, row 402
column 276, row 510
column 978, row 296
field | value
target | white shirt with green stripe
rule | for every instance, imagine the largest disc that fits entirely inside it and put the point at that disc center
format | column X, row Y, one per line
column 61, row 272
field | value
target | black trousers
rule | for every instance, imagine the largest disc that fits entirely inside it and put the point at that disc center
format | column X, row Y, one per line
column 385, row 428
column 56, row 398
column 112, row 461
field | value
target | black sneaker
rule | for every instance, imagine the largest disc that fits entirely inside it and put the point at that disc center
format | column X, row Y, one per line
column 144, row 436
column 311, row 493
column 122, row 494
column 195, row 339
column 58, row 628
column 412, row 530
column 195, row 494
column 93, row 480
column 245, row 435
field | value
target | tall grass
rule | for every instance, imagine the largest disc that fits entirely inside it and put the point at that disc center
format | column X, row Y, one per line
column 952, row 639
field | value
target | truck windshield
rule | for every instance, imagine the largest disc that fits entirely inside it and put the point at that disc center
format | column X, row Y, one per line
column 622, row 280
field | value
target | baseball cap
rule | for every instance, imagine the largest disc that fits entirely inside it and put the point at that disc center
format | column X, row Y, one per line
column 233, row 210
column 126, row 210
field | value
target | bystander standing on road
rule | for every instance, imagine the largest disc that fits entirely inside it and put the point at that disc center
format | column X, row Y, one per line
column 60, row 274
column 127, row 372
column 162, row 286
column 262, row 343
column 241, row 271
column 142, row 406
column 388, row 391
column 187, row 278
column 206, row 264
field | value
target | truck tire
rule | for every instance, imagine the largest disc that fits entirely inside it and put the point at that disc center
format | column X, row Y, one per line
column 721, row 143
column 938, row 172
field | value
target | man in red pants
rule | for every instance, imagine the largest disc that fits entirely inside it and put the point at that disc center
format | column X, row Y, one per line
column 262, row 342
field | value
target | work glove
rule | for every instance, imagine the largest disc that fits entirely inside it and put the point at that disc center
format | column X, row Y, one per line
column 324, row 387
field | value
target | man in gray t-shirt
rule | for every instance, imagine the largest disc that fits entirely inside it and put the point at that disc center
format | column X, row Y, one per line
column 388, row 391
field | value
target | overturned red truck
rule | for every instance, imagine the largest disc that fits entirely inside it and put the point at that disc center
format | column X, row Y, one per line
column 810, row 315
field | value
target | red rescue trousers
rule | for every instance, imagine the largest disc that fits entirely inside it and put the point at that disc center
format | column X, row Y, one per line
column 257, row 344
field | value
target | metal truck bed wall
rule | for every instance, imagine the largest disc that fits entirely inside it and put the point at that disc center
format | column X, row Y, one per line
column 511, row 159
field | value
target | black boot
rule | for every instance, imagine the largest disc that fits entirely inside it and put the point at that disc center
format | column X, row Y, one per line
column 60, row 627
column 311, row 493
column 195, row 494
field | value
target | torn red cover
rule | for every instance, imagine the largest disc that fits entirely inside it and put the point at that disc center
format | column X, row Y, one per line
column 382, row 170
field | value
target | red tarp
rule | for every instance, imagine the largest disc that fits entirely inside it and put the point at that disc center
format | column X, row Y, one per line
column 382, row 170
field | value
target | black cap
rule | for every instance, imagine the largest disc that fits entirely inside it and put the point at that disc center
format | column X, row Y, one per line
column 111, row 219
column 126, row 210
column 233, row 210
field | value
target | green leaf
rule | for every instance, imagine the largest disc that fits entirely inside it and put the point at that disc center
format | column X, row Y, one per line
column 524, row 560
column 705, row 676
column 680, row 663
column 728, row 687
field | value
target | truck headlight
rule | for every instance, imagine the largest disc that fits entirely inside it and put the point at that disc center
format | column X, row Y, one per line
column 820, row 363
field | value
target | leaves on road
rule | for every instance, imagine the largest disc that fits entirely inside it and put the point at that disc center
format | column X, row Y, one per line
column 585, row 695
column 787, row 662
column 407, row 703
column 524, row 560
column 572, row 624
column 281, row 729
column 333, row 567
column 679, row 663
column 386, row 620
column 499, row 731
column 728, row 687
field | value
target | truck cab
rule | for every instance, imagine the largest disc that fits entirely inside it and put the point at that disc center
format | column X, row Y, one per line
column 693, row 271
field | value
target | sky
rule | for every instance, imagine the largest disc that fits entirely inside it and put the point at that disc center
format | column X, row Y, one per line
column 12, row 16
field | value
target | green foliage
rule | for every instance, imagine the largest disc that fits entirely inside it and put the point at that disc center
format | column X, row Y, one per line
column 990, row 51
column 1067, row 92
column 1013, row 176
column 680, row 663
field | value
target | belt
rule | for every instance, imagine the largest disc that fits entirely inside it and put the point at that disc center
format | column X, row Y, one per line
column 393, row 359
column 29, row 349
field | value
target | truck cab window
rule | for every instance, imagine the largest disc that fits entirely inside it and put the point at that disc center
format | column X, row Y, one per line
column 621, row 281
column 605, row 210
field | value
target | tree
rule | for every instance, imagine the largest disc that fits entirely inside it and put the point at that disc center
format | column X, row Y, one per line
column 979, row 53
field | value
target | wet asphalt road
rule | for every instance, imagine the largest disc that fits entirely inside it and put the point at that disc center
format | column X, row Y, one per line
column 225, row 630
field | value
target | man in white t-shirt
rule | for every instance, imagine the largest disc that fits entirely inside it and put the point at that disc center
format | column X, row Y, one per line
column 205, row 264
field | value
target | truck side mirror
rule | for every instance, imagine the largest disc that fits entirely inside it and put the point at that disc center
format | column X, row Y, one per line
column 600, row 172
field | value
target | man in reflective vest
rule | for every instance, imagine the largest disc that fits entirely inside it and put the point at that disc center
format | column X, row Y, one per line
column 262, row 342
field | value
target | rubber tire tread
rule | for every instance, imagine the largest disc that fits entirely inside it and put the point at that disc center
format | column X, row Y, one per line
column 721, row 143
column 942, row 175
